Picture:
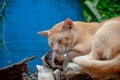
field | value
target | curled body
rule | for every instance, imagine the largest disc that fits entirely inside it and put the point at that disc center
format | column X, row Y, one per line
column 103, row 61
column 72, row 37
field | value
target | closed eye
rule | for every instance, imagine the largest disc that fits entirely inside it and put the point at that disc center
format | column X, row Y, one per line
column 51, row 44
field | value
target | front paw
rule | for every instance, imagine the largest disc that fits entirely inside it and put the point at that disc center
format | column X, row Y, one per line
column 81, row 60
column 78, row 60
column 71, row 70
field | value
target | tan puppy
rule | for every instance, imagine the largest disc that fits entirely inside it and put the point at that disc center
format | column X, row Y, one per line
column 103, row 62
column 74, row 38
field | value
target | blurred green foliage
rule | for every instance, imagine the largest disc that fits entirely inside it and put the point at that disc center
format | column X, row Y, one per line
column 99, row 10
column 3, row 4
column 2, row 11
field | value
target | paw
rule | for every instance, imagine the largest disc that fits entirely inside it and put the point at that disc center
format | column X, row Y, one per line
column 71, row 70
column 81, row 60
column 73, row 66
column 78, row 60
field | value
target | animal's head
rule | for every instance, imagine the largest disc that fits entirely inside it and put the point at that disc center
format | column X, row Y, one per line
column 61, row 36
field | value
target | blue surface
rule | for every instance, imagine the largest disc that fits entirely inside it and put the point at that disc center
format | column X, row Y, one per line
column 25, row 18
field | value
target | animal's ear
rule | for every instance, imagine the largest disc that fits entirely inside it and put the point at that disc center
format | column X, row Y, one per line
column 68, row 24
column 44, row 33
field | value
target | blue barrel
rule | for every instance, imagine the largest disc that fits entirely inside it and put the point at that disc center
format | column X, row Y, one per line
column 24, row 18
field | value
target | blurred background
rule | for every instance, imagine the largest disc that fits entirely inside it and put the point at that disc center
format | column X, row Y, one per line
column 20, row 20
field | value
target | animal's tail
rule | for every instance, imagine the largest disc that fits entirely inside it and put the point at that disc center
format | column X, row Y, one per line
column 100, row 67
